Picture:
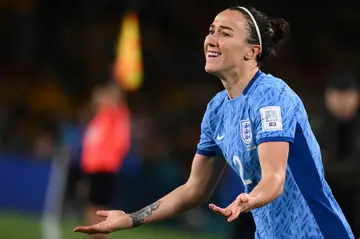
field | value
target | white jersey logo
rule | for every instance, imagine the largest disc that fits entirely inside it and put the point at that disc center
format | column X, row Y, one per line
column 246, row 132
column 271, row 118
column 220, row 137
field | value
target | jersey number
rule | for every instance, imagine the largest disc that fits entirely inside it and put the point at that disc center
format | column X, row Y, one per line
column 239, row 166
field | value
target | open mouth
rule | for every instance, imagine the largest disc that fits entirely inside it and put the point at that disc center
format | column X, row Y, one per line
column 213, row 54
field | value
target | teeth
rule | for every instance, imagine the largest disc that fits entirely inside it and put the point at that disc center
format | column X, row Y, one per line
column 213, row 54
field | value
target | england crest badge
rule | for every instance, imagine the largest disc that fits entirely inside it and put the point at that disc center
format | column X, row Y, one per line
column 246, row 132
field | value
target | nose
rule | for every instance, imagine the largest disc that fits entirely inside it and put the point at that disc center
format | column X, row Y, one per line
column 211, row 41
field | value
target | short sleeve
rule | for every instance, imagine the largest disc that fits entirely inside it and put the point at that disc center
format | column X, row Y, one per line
column 207, row 145
column 274, row 117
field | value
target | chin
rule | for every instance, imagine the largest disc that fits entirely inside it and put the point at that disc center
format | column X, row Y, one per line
column 211, row 69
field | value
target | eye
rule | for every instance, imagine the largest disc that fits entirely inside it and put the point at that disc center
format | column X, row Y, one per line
column 211, row 31
column 225, row 34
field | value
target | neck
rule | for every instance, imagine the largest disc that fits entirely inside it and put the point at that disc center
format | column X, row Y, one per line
column 236, row 81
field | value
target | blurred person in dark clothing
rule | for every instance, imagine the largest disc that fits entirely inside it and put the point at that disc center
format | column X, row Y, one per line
column 71, row 133
column 105, row 145
column 339, row 138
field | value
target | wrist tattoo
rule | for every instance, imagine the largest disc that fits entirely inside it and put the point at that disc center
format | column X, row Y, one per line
column 138, row 217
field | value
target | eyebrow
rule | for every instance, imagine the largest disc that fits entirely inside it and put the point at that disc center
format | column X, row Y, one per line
column 222, row 27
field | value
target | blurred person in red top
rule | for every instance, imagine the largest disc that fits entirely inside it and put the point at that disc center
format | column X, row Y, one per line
column 106, row 143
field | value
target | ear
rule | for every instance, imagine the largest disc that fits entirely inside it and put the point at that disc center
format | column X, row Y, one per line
column 252, row 52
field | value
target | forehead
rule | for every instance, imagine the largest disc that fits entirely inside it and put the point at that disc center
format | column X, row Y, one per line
column 230, row 18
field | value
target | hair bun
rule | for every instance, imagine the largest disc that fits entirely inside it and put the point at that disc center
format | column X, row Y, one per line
column 280, row 28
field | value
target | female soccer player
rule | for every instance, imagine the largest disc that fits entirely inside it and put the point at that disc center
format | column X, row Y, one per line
column 261, row 128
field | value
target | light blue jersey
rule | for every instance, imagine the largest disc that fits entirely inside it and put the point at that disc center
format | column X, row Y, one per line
column 268, row 110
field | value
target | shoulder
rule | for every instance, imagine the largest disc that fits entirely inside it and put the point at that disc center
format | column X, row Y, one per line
column 271, row 89
column 216, row 102
column 213, row 107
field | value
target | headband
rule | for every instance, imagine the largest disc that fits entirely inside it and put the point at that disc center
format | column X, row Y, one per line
column 255, row 24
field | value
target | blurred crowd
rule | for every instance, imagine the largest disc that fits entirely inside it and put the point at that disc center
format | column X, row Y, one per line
column 53, row 54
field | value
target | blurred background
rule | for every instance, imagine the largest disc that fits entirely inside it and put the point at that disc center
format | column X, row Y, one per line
column 56, row 63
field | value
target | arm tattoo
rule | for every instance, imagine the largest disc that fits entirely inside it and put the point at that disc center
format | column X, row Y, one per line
column 138, row 217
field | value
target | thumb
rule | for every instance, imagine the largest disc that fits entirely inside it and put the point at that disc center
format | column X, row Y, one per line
column 244, row 198
column 233, row 217
column 102, row 213
column 221, row 211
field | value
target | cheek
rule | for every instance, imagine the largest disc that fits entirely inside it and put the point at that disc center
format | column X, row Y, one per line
column 235, row 56
column 332, row 102
column 351, row 102
column 235, row 52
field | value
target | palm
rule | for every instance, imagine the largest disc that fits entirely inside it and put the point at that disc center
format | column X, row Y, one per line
column 115, row 220
column 241, row 204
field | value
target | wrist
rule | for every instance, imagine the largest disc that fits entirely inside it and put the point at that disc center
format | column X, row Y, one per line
column 256, row 200
column 135, row 220
column 138, row 218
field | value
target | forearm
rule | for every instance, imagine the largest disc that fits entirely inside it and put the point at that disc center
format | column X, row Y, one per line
column 267, row 190
column 174, row 203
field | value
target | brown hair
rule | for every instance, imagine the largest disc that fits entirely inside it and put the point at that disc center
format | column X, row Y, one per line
column 272, row 31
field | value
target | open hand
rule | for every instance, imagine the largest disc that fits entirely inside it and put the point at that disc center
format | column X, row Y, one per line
column 113, row 221
column 242, row 203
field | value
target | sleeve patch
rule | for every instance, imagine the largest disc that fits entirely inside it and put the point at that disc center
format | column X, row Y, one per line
column 271, row 118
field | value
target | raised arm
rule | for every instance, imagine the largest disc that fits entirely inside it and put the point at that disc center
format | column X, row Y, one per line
column 204, row 176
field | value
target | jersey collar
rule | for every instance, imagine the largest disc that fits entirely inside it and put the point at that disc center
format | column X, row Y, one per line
column 252, row 81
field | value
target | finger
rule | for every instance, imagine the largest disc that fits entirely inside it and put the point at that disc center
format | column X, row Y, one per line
column 84, row 229
column 102, row 228
column 235, row 214
column 102, row 213
column 221, row 211
column 237, row 210
column 233, row 217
